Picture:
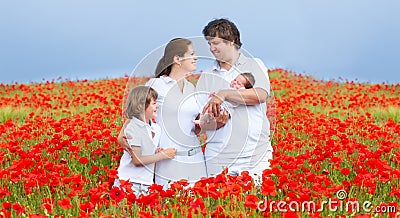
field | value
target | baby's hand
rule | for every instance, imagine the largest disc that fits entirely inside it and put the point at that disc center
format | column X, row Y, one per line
column 169, row 153
column 205, row 118
column 159, row 150
column 197, row 122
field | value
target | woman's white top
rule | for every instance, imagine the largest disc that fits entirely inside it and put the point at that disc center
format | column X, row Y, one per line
column 178, row 108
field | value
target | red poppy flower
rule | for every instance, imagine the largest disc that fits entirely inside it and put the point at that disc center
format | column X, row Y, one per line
column 145, row 214
column 83, row 160
column 251, row 201
column 86, row 207
column 345, row 171
column 117, row 194
column 48, row 207
column 18, row 208
column 268, row 188
column 6, row 205
column 93, row 170
column 37, row 216
column 65, row 203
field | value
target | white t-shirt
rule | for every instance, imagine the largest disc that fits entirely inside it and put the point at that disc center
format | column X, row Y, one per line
column 178, row 108
column 249, row 127
column 140, row 134
column 176, row 112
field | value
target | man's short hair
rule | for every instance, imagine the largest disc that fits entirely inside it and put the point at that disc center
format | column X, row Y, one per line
column 224, row 29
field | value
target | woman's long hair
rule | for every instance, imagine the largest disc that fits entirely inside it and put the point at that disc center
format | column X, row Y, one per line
column 175, row 47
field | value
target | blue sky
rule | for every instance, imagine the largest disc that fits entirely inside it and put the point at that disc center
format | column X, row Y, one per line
column 75, row 39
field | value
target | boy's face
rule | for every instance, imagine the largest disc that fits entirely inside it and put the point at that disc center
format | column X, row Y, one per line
column 238, row 82
column 151, row 110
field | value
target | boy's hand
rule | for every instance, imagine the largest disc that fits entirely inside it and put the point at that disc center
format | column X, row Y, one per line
column 159, row 150
column 169, row 153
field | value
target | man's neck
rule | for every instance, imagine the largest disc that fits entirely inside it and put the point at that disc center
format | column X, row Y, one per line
column 228, row 64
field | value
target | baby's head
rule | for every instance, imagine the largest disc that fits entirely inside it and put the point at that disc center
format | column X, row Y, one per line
column 244, row 80
column 142, row 103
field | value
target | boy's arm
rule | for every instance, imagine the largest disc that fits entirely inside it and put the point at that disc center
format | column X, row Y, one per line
column 140, row 160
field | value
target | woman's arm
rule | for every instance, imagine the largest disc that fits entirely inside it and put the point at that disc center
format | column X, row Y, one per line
column 122, row 139
column 140, row 160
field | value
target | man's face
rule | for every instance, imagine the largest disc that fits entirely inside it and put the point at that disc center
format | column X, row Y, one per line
column 220, row 48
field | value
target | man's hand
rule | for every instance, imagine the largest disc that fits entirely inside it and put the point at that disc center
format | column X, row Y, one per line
column 122, row 140
column 222, row 118
column 209, row 122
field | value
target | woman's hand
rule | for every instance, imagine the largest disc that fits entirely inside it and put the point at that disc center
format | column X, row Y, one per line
column 122, row 140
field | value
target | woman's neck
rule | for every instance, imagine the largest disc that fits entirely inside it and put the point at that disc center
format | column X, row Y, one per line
column 178, row 76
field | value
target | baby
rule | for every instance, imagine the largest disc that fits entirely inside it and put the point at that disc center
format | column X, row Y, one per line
column 242, row 81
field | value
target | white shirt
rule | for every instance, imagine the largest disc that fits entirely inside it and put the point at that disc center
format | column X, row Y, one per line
column 249, row 126
column 178, row 108
column 140, row 134
column 176, row 112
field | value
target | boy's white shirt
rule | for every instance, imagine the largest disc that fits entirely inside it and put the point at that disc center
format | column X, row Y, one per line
column 139, row 134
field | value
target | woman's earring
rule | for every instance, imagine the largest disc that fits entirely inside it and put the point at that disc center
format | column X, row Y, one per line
column 179, row 64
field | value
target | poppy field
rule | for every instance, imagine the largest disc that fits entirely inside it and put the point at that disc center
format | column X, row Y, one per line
column 336, row 153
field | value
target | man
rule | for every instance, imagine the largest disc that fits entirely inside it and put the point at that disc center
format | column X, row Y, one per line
column 239, row 143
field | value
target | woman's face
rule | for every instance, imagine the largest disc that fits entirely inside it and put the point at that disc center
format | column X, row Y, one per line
column 188, row 62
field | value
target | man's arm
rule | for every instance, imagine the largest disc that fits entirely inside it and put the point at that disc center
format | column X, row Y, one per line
column 251, row 96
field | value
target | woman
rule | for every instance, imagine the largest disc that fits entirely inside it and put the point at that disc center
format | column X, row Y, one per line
column 177, row 110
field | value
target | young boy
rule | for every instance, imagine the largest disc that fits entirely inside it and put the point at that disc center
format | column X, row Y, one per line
column 143, row 135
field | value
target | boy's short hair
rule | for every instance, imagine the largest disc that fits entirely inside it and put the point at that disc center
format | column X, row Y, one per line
column 249, row 80
column 138, row 100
